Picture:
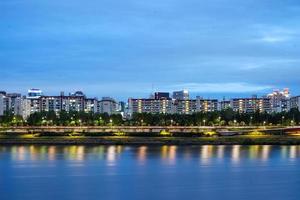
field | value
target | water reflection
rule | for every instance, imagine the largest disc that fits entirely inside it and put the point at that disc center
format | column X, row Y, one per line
column 142, row 154
column 206, row 152
column 293, row 152
column 236, row 152
column 266, row 149
column 168, row 154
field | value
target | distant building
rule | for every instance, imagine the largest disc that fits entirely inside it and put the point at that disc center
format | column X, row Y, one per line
column 74, row 102
column 1, row 104
column 279, row 100
column 10, row 102
column 161, row 95
column 224, row 104
column 13, row 103
column 149, row 106
column 251, row 105
column 185, row 106
column 77, row 94
column 294, row 103
column 90, row 105
column 207, row 105
column 181, row 95
column 107, row 105
column 121, row 106
column 34, row 93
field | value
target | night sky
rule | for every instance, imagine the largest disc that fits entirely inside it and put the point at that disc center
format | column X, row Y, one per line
column 123, row 48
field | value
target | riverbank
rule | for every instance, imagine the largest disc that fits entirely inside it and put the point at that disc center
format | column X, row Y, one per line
column 130, row 140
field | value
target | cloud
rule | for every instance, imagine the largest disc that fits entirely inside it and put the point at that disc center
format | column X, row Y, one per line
column 274, row 38
column 273, row 34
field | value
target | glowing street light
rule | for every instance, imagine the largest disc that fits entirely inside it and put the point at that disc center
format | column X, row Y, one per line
column 219, row 119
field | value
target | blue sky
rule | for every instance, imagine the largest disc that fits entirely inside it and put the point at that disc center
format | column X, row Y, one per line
column 124, row 48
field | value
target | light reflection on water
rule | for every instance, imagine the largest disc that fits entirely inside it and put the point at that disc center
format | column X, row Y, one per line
column 111, row 154
column 149, row 172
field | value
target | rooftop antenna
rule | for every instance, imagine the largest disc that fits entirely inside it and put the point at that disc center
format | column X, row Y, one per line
column 152, row 91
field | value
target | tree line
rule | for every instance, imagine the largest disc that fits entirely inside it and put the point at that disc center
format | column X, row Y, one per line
column 218, row 118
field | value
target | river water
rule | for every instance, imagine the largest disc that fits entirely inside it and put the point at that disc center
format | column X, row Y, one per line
column 149, row 172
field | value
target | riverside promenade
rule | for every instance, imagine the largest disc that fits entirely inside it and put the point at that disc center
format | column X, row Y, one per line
column 147, row 135
column 221, row 130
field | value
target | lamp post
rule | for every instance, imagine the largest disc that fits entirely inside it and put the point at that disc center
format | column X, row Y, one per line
column 100, row 121
column 282, row 119
column 204, row 122
column 251, row 118
column 171, row 122
column 43, row 120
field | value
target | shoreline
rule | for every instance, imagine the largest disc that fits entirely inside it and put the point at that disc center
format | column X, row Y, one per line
column 130, row 140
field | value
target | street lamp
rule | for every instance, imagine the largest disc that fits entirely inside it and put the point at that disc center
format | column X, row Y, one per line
column 100, row 121
column 204, row 122
column 142, row 121
column 171, row 122
column 282, row 118
column 251, row 118
column 234, row 122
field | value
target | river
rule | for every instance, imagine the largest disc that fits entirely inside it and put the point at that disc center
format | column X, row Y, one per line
column 149, row 172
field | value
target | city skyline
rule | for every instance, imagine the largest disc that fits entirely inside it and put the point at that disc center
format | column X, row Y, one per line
column 191, row 95
column 135, row 48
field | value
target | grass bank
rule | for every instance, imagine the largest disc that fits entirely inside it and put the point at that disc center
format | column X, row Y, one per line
column 131, row 140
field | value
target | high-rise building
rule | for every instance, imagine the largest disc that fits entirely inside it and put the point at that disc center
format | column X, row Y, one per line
column 90, row 105
column 162, row 95
column 185, row 106
column 107, row 105
column 279, row 100
column 224, row 104
column 10, row 102
column 14, row 103
column 74, row 102
column 207, row 105
column 34, row 93
column 251, row 105
column 1, row 104
column 294, row 103
column 181, row 95
column 149, row 106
